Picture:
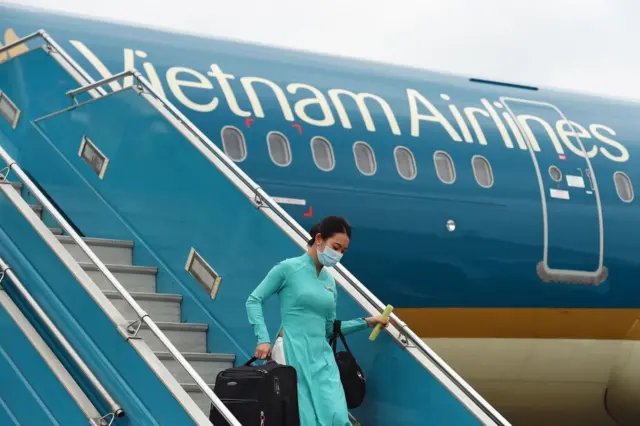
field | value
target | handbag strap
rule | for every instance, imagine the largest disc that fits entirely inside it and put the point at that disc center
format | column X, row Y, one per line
column 334, row 337
column 337, row 332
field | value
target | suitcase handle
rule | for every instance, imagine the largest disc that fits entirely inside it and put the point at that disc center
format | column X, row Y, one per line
column 254, row 359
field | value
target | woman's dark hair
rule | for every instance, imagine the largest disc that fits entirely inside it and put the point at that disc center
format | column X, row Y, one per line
column 328, row 227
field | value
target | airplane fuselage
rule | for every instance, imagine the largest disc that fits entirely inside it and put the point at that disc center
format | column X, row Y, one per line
column 419, row 241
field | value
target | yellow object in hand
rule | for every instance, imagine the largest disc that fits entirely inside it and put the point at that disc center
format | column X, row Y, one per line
column 378, row 327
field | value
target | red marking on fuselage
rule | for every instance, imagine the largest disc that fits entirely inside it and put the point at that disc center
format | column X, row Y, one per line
column 309, row 213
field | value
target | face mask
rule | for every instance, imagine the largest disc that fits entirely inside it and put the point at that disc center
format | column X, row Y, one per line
column 329, row 257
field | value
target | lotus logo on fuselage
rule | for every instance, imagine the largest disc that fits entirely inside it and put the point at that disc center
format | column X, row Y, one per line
column 10, row 37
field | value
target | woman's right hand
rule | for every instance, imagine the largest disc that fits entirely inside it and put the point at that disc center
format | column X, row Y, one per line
column 263, row 350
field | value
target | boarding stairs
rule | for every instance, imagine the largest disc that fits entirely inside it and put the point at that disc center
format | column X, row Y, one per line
column 140, row 282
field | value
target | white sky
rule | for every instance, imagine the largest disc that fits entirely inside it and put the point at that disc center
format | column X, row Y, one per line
column 582, row 45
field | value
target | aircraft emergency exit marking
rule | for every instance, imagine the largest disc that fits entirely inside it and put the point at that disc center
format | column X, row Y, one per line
column 297, row 126
column 309, row 213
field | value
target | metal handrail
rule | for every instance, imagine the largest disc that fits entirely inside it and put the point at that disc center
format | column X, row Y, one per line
column 17, row 43
column 115, row 408
column 261, row 197
column 294, row 230
column 143, row 316
column 95, row 85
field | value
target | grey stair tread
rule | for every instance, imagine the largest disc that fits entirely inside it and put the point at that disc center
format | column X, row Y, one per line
column 37, row 208
column 207, row 365
column 56, row 231
column 103, row 242
column 140, row 279
column 193, row 387
column 130, row 269
column 160, row 297
column 202, row 401
column 198, row 356
column 115, row 252
column 16, row 185
column 186, row 337
column 179, row 326
column 159, row 306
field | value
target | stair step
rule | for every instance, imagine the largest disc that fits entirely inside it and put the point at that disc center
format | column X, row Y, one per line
column 199, row 397
column 16, row 185
column 37, row 209
column 114, row 252
column 206, row 365
column 186, row 337
column 56, row 231
column 134, row 278
column 161, row 307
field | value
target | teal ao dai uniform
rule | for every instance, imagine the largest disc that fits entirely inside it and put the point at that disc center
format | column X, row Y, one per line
column 308, row 309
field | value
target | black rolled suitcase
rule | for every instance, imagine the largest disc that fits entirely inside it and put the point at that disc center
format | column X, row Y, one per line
column 258, row 395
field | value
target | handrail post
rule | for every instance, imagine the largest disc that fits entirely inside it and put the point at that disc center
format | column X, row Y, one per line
column 75, row 92
column 68, row 59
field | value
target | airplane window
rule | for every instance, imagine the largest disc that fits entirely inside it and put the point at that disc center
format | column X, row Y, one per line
column 279, row 149
column 322, row 154
column 555, row 173
column 233, row 143
column 444, row 167
column 365, row 159
column 482, row 171
column 624, row 188
column 405, row 163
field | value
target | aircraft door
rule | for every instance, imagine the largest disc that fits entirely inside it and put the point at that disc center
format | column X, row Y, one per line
column 572, row 213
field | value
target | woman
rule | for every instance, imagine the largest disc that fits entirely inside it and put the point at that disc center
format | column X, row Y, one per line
column 308, row 308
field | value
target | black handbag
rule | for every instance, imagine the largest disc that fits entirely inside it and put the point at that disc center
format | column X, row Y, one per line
column 351, row 374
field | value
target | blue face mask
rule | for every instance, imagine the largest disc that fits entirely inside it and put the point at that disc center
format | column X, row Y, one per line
column 329, row 257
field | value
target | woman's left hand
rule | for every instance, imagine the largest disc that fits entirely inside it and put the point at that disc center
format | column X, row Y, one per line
column 373, row 321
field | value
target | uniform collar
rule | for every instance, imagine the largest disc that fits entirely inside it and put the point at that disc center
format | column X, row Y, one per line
column 312, row 263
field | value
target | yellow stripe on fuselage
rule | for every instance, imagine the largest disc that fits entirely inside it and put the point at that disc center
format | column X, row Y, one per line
column 543, row 323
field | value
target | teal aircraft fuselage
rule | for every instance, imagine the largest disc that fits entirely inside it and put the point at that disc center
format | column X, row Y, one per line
column 479, row 208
